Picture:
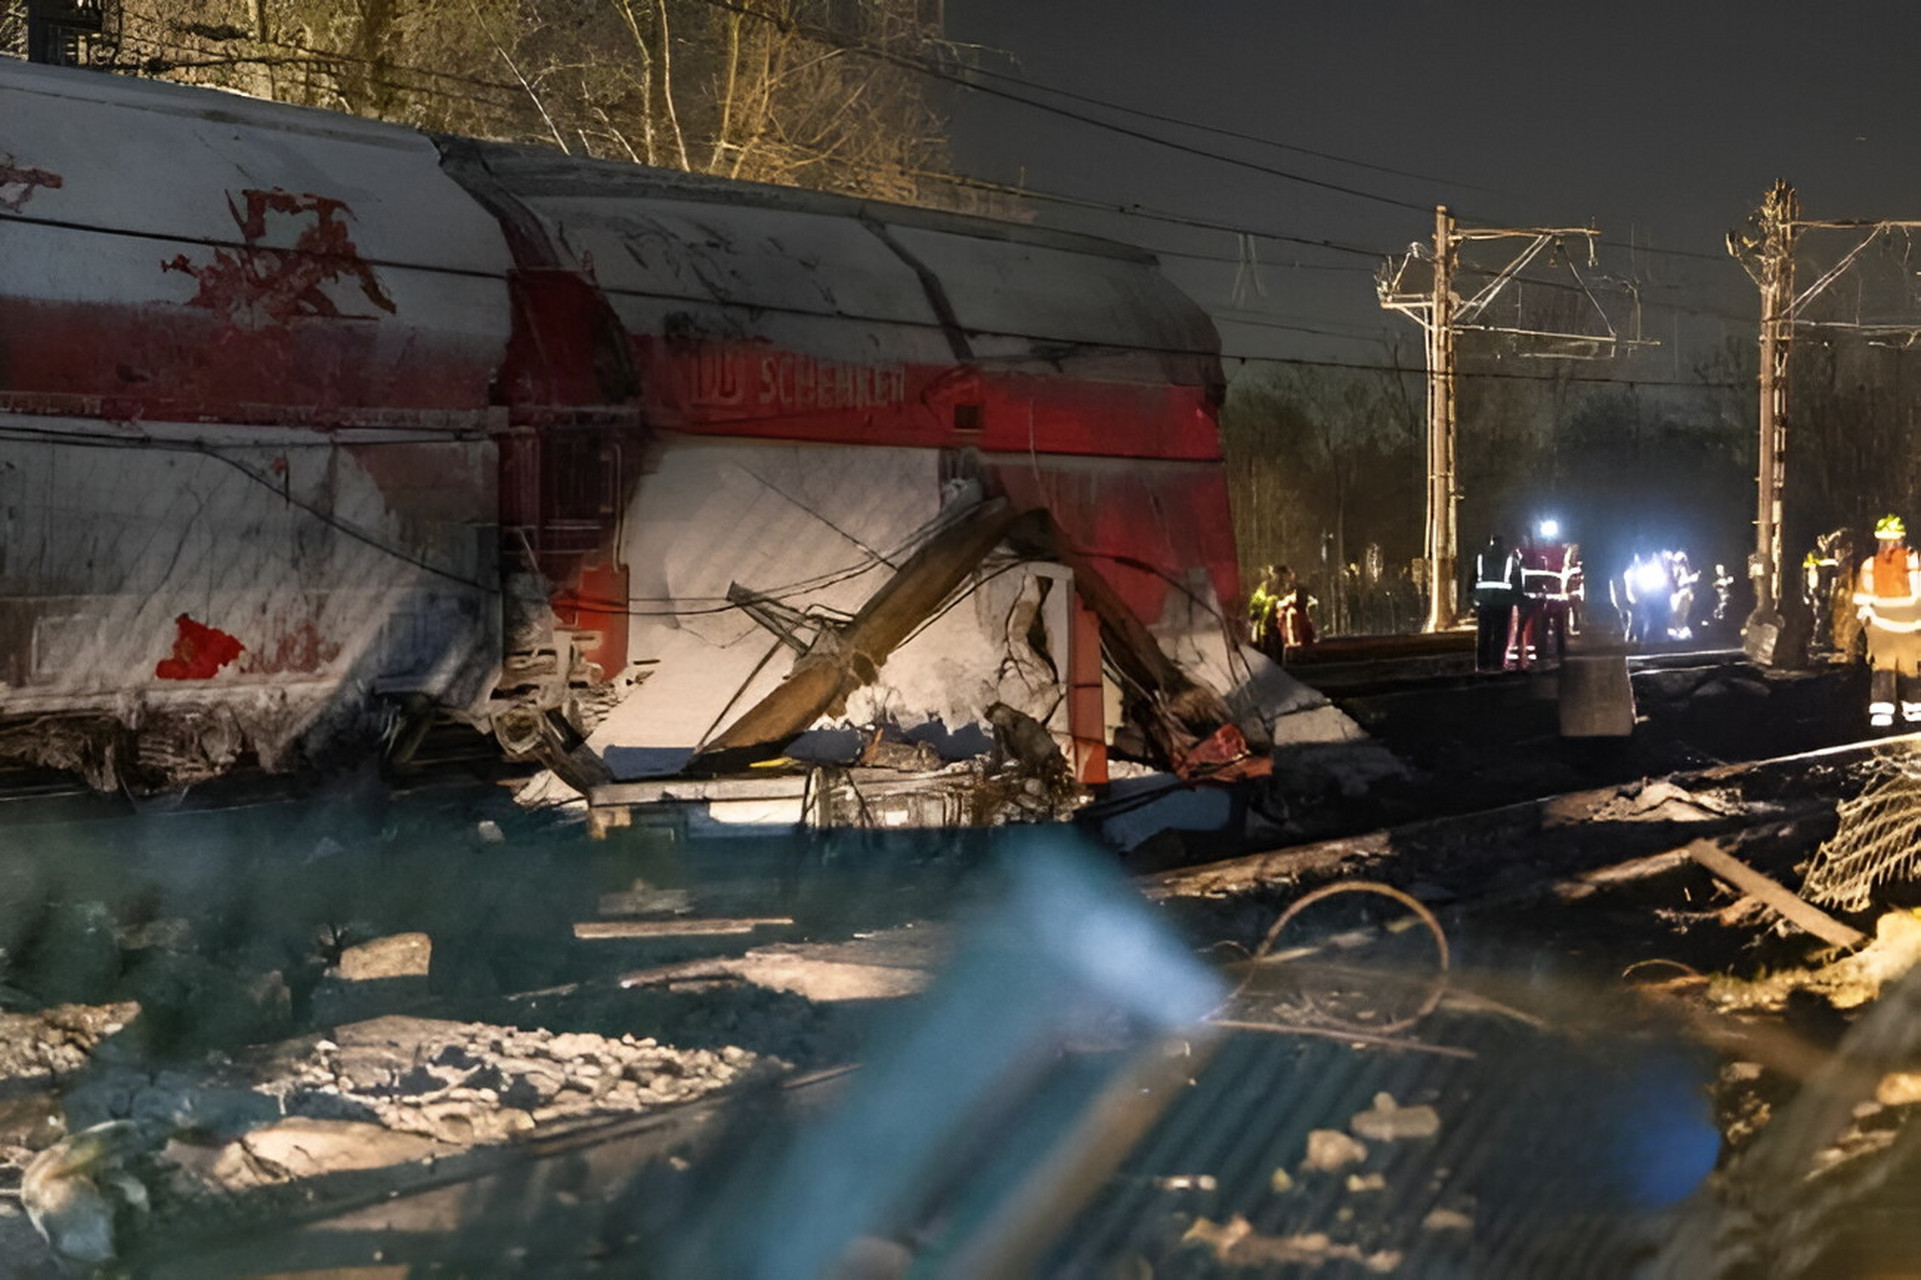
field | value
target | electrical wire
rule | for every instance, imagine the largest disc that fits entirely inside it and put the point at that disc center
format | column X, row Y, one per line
column 918, row 66
column 818, row 582
column 1140, row 211
column 1109, row 105
column 514, row 102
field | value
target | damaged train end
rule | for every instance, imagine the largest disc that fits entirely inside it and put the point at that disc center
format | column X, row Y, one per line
column 248, row 458
column 313, row 428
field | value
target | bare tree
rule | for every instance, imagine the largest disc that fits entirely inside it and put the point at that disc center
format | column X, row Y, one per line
column 1321, row 462
column 818, row 93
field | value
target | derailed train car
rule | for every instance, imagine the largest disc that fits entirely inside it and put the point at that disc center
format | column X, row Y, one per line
column 310, row 424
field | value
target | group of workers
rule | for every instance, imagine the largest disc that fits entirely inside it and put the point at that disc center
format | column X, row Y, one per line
column 1659, row 598
column 1870, row 602
column 1527, row 599
column 1277, row 612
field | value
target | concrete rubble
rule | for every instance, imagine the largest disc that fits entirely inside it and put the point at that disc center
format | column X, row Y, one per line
column 396, row 1092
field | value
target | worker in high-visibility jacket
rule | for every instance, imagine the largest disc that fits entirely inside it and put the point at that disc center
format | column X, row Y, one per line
column 1262, row 605
column 1887, row 595
column 1497, row 586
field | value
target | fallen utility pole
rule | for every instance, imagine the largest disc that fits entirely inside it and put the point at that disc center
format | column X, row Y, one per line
column 1765, row 249
column 1443, row 316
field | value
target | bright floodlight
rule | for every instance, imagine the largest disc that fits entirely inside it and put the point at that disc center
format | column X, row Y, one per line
column 1550, row 528
column 1650, row 577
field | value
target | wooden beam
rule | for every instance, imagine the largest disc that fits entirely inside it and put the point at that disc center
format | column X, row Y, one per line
column 1802, row 915
column 820, row 681
column 587, row 930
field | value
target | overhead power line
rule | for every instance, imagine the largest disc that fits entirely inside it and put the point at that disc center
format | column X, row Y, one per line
column 1181, row 122
column 1127, row 210
column 921, row 66
column 317, row 54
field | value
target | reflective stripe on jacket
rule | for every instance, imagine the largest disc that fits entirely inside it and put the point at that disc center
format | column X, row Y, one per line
column 1889, row 577
column 1546, row 572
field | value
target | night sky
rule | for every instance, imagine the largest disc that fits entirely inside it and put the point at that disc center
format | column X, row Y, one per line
column 1660, row 123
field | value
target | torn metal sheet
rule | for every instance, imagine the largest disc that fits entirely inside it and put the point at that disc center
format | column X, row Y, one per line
column 312, row 425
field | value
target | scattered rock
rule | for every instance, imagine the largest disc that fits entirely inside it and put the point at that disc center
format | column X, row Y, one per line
column 570, row 1046
column 1280, row 1182
column 1236, row 1243
column 1447, row 1220
column 1390, row 1122
column 55, row 1043
column 1360, row 1182
column 1330, row 1151
column 1899, row 1089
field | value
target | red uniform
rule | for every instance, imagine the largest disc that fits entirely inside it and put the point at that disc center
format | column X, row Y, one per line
column 1550, row 572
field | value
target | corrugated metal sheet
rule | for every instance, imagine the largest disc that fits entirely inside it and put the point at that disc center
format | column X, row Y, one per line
column 849, row 280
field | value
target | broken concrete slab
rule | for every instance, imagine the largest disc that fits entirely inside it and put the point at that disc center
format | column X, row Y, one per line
column 400, row 955
column 304, row 1147
column 379, row 976
column 1596, row 696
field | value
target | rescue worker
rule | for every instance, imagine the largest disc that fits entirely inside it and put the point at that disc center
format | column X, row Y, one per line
column 1262, row 605
column 1816, row 572
column 1646, row 588
column 1547, row 570
column 1681, row 582
column 1723, row 597
column 1496, row 570
column 1296, row 628
column 1576, row 590
column 1836, row 616
column 1887, row 596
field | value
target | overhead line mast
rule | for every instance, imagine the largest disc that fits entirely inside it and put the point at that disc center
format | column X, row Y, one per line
column 1766, row 251
column 1442, row 316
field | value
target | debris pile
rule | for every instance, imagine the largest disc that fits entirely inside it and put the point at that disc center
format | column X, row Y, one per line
column 460, row 1083
column 394, row 1093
